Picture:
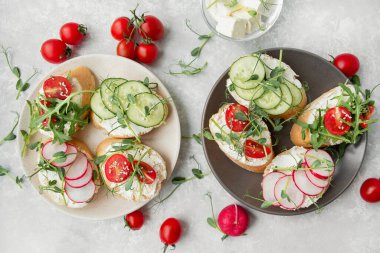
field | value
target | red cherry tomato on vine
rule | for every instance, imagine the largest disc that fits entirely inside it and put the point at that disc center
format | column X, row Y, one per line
column 255, row 150
column 334, row 120
column 73, row 33
column 347, row 63
column 367, row 116
column 370, row 190
column 126, row 49
column 55, row 51
column 170, row 232
column 147, row 53
column 152, row 28
column 122, row 28
column 134, row 220
column 236, row 125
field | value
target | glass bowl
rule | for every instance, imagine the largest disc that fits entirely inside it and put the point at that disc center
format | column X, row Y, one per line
column 269, row 11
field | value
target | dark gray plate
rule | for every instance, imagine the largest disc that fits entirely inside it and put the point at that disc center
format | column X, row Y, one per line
column 321, row 76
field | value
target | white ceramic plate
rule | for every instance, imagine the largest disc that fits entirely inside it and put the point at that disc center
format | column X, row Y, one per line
column 165, row 139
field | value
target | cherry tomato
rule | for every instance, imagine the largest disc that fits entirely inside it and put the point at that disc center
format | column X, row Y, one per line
column 347, row 63
column 55, row 51
column 152, row 28
column 73, row 33
column 170, row 232
column 45, row 103
column 370, row 190
column 232, row 122
column 334, row 120
column 148, row 173
column 255, row 150
column 147, row 53
column 367, row 116
column 126, row 49
column 45, row 122
column 134, row 220
column 122, row 28
column 57, row 87
column 117, row 168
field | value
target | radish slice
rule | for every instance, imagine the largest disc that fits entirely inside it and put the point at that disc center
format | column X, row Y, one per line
column 321, row 183
column 50, row 148
column 296, row 197
column 304, row 185
column 323, row 174
column 80, row 182
column 80, row 195
column 312, row 154
column 268, row 183
column 70, row 158
column 78, row 168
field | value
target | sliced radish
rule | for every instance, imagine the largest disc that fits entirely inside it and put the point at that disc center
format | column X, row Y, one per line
column 82, row 181
column 80, row 195
column 304, row 185
column 312, row 154
column 71, row 155
column 78, row 168
column 296, row 197
column 268, row 183
column 323, row 174
column 50, row 148
column 321, row 183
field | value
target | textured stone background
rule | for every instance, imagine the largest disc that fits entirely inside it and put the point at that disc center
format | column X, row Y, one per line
column 28, row 224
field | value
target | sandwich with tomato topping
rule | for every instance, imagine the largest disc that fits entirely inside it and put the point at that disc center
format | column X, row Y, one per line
column 130, row 170
column 242, row 136
column 340, row 115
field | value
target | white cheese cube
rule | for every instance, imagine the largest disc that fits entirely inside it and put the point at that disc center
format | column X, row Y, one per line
column 232, row 27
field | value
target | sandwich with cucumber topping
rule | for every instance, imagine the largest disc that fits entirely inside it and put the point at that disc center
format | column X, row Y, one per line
column 242, row 136
column 266, row 82
column 128, row 108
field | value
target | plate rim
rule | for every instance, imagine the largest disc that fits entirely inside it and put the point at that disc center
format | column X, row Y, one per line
column 20, row 140
column 263, row 210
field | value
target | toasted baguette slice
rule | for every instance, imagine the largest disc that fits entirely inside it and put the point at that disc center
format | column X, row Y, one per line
column 46, row 176
column 325, row 101
column 251, row 164
column 123, row 133
column 151, row 157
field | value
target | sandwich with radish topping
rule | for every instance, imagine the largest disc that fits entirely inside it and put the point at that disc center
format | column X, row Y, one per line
column 242, row 136
column 130, row 170
column 67, row 173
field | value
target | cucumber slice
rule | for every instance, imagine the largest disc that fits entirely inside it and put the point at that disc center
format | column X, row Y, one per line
column 107, row 90
column 250, row 94
column 296, row 93
column 270, row 99
column 137, row 111
column 244, row 68
column 99, row 108
column 130, row 88
column 286, row 101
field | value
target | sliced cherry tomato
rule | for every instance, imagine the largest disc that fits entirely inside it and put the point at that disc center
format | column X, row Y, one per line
column 134, row 220
column 117, row 168
column 255, row 150
column 152, row 28
column 73, row 33
column 232, row 122
column 45, row 103
column 147, row 53
column 148, row 173
column 370, row 190
column 55, row 51
column 45, row 122
column 334, row 120
column 122, row 28
column 170, row 232
column 367, row 116
column 347, row 63
column 57, row 87
column 126, row 49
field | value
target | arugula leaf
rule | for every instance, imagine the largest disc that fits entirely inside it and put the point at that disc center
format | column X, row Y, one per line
column 99, row 159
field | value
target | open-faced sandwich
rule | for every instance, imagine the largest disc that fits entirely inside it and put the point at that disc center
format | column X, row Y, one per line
column 297, row 178
column 62, row 105
column 267, row 83
column 242, row 136
column 131, row 170
column 67, row 173
column 126, row 108
column 340, row 115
